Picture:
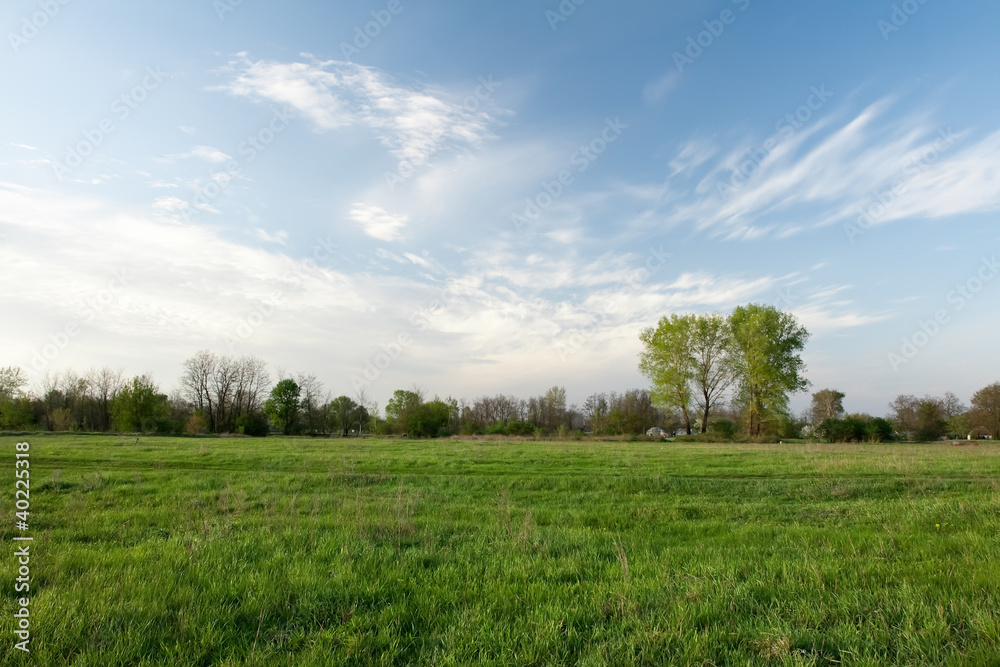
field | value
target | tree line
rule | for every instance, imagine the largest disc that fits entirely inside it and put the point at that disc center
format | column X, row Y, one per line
column 726, row 376
column 219, row 394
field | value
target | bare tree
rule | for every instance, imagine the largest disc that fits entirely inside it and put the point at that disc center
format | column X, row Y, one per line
column 369, row 406
column 252, row 383
column 952, row 405
column 196, row 384
column 904, row 414
column 104, row 385
column 315, row 403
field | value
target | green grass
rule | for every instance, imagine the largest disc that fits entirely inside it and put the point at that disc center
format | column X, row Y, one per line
column 163, row 551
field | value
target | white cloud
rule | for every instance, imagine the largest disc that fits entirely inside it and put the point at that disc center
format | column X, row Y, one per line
column 170, row 204
column 187, row 129
column 412, row 123
column 835, row 173
column 280, row 237
column 377, row 222
column 207, row 153
column 693, row 154
column 416, row 259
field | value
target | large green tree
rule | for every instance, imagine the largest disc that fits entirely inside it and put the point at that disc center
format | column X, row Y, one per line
column 402, row 408
column 711, row 353
column 985, row 412
column 767, row 344
column 284, row 405
column 345, row 414
column 666, row 360
column 139, row 406
column 688, row 360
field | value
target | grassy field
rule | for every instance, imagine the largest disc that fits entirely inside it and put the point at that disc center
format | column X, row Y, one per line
column 170, row 551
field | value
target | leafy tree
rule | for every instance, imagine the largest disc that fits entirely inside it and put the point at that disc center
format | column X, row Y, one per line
column 401, row 408
column 827, row 404
column 595, row 412
column 667, row 361
column 766, row 360
column 711, row 353
column 552, row 408
column 985, row 413
column 140, row 407
column 12, row 382
column 879, row 430
column 345, row 414
column 931, row 422
column 959, row 426
column 284, row 404
column 430, row 418
column 15, row 405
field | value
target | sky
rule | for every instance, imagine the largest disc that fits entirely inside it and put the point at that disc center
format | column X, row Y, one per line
column 477, row 198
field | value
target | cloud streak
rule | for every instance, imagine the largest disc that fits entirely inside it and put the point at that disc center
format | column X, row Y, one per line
column 413, row 123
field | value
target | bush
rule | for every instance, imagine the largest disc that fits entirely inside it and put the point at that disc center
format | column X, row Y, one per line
column 724, row 428
column 254, row 424
column 703, row 437
column 196, row 425
column 856, row 428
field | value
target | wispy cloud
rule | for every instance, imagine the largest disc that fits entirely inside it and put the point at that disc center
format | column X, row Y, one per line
column 413, row 123
column 828, row 173
column 280, row 237
column 206, row 153
column 656, row 91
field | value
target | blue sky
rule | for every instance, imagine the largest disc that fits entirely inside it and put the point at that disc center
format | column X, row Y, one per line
column 497, row 197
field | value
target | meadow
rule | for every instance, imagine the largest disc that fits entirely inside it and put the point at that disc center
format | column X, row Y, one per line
column 293, row 551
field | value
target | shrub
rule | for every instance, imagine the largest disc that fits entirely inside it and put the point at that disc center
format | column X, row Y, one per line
column 254, row 424
column 196, row 425
column 724, row 428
